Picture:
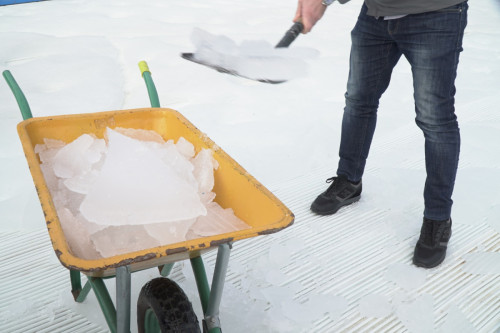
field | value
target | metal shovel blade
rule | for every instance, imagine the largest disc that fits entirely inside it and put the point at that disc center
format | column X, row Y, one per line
column 289, row 37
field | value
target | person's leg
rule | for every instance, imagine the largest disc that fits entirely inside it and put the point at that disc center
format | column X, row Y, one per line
column 432, row 46
column 373, row 57
column 432, row 43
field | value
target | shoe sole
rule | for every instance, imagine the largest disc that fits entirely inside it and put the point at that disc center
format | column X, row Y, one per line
column 333, row 211
column 419, row 264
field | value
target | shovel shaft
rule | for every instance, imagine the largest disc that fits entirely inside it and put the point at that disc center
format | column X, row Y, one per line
column 290, row 35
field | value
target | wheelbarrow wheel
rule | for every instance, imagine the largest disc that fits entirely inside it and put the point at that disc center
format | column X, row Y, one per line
column 163, row 307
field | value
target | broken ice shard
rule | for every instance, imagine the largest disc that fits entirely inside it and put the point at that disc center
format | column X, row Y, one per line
column 136, row 187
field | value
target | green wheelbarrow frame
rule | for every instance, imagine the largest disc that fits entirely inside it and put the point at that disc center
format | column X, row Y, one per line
column 118, row 319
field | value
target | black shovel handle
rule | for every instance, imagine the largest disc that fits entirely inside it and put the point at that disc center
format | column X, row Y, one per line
column 290, row 35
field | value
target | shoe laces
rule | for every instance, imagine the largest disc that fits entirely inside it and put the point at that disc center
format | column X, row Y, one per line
column 337, row 184
column 432, row 232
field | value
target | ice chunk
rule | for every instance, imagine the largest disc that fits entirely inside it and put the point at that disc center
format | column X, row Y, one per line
column 140, row 134
column 482, row 263
column 217, row 221
column 374, row 305
column 185, row 147
column 48, row 149
column 78, row 156
column 171, row 156
column 136, row 187
column 169, row 232
column 204, row 165
column 115, row 240
column 405, row 276
column 252, row 59
column 83, row 182
column 76, row 235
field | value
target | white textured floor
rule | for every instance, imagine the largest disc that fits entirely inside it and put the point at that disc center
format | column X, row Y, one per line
column 350, row 272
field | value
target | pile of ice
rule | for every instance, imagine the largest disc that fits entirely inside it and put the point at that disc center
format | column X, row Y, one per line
column 253, row 59
column 132, row 191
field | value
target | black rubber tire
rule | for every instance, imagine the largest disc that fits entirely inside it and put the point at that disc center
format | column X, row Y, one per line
column 170, row 305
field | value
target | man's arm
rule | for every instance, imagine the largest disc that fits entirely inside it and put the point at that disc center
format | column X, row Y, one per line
column 311, row 11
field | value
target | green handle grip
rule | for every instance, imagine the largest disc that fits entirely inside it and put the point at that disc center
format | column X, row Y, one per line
column 18, row 94
column 153, row 94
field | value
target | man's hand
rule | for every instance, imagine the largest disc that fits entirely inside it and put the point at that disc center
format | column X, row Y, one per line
column 309, row 12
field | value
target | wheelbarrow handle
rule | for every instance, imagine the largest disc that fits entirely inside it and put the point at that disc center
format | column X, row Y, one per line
column 18, row 94
column 152, row 92
column 290, row 35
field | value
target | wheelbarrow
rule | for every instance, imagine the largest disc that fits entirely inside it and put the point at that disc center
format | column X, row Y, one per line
column 162, row 304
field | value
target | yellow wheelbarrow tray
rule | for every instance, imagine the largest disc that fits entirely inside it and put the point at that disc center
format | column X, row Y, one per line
column 234, row 186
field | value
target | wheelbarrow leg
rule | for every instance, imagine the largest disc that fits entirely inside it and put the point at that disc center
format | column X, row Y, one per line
column 165, row 269
column 210, row 299
column 105, row 302
column 123, row 299
column 79, row 294
column 76, row 283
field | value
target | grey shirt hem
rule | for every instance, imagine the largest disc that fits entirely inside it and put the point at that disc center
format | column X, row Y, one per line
column 402, row 7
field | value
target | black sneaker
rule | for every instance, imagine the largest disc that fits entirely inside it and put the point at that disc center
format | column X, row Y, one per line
column 430, row 250
column 340, row 193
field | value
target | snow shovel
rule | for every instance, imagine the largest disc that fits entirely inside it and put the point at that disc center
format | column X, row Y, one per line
column 289, row 37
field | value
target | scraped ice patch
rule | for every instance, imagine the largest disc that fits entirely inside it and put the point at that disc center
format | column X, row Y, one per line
column 417, row 315
column 275, row 277
column 373, row 305
column 405, row 276
column 482, row 263
column 492, row 218
column 253, row 59
column 456, row 322
column 314, row 308
column 333, row 305
column 133, row 193
column 279, row 254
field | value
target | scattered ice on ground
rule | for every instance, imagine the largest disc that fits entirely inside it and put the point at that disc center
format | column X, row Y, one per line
column 402, row 226
column 252, row 59
column 417, row 315
column 320, row 304
column 279, row 254
column 492, row 218
column 135, row 193
column 482, row 263
column 275, row 277
column 374, row 305
column 405, row 276
column 456, row 322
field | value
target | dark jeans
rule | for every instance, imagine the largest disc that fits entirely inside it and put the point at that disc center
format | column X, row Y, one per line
column 431, row 42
